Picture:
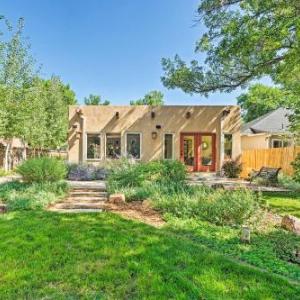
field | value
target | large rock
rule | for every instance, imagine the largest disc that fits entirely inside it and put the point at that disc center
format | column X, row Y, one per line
column 291, row 223
column 117, row 198
column 2, row 208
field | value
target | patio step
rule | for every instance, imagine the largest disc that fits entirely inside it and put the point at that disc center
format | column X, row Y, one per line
column 83, row 197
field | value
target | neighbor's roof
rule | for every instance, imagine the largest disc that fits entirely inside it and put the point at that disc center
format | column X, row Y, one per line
column 276, row 121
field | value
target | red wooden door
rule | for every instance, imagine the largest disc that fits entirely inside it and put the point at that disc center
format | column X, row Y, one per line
column 198, row 151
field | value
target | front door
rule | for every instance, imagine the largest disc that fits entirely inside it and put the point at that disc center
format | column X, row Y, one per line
column 198, row 151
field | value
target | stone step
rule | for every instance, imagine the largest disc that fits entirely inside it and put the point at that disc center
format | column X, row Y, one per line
column 78, row 205
column 77, row 210
column 87, row 194
column 86, row 199
column 84, row 190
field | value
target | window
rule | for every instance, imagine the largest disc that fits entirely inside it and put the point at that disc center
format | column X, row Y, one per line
column 280, row 144
column 168, row 146
column 228, row 146
column 133, row 145
column 113, row 146
column 93, row 146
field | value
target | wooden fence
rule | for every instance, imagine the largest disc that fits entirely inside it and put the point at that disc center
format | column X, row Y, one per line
column 276, row 157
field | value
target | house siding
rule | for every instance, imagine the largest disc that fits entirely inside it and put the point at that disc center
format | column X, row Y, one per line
column 137, row 119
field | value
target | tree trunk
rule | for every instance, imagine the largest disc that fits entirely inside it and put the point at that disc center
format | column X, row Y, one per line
column 24, row 152
column 7, row 158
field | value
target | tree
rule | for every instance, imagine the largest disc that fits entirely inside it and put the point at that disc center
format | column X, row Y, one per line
column 245, row 40
column 16, row 72
column 95, row 100
column 152, row 98
column 261, row 99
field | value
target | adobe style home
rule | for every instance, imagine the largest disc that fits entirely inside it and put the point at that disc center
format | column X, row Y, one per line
column 200, row 136
column 268, row 131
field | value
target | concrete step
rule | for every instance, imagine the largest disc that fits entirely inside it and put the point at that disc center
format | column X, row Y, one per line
column 77, row 210
column 78, row 205
column 84, row 190
column 87, row 194
column 85, row 199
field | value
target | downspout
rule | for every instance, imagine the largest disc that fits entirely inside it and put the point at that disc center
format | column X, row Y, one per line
column 83, row 140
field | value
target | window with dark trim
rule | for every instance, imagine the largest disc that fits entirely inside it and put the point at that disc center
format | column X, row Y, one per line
column 168, row 146
column 133, row 145
column 113, row 146
column 93, row 146
column 228, row 146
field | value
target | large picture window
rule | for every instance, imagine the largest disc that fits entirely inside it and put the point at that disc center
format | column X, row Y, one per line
column 168, row 146
column 93, row 146
column 228, row 146
column 113, row 146
column 133, row 145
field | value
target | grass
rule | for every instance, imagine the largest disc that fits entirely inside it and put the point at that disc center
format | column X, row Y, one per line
column 284, row 203
column 23, row 196
column 101, row 256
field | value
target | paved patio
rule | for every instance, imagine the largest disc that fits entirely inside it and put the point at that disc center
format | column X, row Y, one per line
column 210, row 179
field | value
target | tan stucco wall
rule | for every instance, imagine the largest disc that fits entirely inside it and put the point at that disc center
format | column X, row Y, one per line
column 137, row 119
column 258, row 141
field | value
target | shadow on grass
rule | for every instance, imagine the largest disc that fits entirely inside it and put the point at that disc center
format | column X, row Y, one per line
column 104, row 256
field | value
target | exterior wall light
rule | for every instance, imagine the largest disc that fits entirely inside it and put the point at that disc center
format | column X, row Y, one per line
column 154, row 135
column 152, row 114
column 188, row 115
column 117, row 115
column 158, row 126
column 78, row 135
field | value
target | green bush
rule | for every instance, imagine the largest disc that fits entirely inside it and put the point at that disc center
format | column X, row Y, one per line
column 288, row 182
column 232, row 168
column 219, row 207
column 140, row 174
column 296, row 167
column 43, row 169
column 24, row 196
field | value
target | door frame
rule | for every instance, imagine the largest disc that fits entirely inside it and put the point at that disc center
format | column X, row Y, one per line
column 197, row 150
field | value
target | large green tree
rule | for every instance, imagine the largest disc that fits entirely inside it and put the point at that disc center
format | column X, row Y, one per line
column 261, row 99
column 95, row 100
column 152, row 98
column 245, row 40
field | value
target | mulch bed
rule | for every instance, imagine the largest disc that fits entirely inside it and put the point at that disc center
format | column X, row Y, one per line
column 137, row 210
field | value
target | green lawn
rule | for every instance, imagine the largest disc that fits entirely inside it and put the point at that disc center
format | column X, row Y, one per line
column 101, row 256
column 284, row 203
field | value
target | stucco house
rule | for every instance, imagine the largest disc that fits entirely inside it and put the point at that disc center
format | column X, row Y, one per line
column 268, row 131
column 200, row 136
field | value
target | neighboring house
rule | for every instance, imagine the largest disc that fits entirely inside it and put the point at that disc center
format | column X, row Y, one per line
column 268, row 131
column 200, row 136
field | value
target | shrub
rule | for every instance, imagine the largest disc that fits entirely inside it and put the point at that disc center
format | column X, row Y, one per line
column 43, row 169
column 232, row 168
column 296, row 167
column 220, row 207
column 81, row 172
column 288, row 182
column 23, row 196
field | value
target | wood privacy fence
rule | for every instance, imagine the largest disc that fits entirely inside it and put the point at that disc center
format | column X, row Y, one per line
column 275, row 157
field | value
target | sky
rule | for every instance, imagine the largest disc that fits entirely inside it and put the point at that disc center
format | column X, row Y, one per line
column 113, row 48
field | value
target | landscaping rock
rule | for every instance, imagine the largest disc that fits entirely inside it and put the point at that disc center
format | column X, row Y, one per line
column 245, row 236
column 291, row 223
column 117, row 198
column 2, row 208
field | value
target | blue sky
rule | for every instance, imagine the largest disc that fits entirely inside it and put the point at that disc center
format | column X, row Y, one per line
column 112, row 47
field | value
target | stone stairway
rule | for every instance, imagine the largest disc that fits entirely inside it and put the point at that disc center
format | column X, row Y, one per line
column 83, row 197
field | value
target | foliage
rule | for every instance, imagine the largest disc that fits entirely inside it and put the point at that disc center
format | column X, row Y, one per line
column 219, row 207
column 261, row 99
column 135, row 175
column 188, row 270
column 23, row 196
column 284, row 203
column 152, row 98
column 95, row 100
column 232, row 168
column 296, row 167
column 288, row 182
column 263, row 252
column 79, row 172
column 43, row 169
column 285, row 245
column 245, row 40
